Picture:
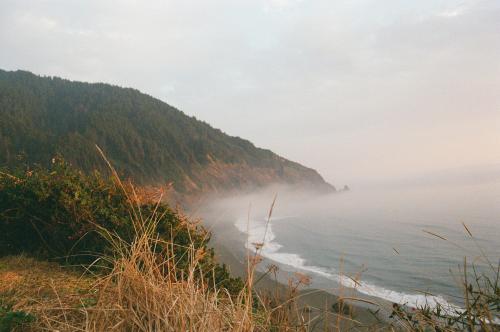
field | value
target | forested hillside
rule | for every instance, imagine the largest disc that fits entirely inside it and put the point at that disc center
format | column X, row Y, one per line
column 144, row 138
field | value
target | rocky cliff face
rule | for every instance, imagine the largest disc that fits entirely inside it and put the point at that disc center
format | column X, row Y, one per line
column 144, row 138
column 220, row 176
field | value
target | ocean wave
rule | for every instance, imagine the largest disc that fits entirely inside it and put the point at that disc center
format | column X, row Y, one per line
column 258, row 232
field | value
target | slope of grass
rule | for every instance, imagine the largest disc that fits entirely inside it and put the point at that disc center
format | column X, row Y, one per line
column 49, row 293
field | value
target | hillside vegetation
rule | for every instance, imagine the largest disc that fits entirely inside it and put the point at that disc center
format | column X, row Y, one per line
column 144, row 138
column 63, row 215
column 85, row 252
column 89, row 253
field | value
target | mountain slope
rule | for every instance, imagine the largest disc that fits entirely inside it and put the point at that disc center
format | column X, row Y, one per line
column 144, row 138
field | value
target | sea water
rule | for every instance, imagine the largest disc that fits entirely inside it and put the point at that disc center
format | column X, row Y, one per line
column 404, row 245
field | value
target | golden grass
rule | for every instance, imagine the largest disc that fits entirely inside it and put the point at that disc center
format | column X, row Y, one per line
column 54, row 294
column 144, row 290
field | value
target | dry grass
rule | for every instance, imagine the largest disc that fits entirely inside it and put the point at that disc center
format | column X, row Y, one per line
column 54, row 294
column 144, row 291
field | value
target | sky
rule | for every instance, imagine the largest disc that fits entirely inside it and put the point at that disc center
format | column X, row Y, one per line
column 361, row 90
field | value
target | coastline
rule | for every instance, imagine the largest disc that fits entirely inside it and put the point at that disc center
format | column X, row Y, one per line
column 315, row 301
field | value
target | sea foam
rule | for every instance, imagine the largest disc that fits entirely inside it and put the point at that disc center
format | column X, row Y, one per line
column 260, row 231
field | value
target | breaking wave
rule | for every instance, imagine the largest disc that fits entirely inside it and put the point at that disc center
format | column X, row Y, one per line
column 257, row 233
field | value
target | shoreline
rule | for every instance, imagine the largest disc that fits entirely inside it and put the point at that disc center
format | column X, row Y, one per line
column 313, row 300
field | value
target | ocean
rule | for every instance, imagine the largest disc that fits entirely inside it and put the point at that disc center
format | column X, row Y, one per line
column 404, row 244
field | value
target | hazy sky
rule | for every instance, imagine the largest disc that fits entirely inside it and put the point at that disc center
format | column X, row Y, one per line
column 358, row 89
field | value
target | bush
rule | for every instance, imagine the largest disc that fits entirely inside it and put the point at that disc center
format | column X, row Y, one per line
column 13, row 320
column 62, row 214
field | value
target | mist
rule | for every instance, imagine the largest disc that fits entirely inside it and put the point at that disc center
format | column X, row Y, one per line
column 461, row 198
column 382, row 236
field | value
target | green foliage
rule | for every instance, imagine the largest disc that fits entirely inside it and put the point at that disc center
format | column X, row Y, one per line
column 144, row 138
column 11, row 320
column 61, row 213
column 56, row 212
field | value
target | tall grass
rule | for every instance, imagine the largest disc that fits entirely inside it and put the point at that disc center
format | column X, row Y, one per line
column 145, row 290
column 142, row 287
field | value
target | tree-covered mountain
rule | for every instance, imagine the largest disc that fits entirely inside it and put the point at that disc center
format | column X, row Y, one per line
column 143, row 137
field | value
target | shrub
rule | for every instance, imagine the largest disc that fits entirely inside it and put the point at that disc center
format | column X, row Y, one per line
column 13, row 320
column 62, row 214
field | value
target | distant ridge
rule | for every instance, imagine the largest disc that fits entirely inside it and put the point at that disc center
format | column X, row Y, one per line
column 145, row 139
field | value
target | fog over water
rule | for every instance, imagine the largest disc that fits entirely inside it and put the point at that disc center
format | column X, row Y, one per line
column 380, row 233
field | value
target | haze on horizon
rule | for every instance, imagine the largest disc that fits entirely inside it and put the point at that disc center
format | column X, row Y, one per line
column 359, row 90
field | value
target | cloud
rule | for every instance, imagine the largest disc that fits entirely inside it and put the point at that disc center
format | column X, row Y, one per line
column 453, row 12
column 281, row 4
column 356, row 89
